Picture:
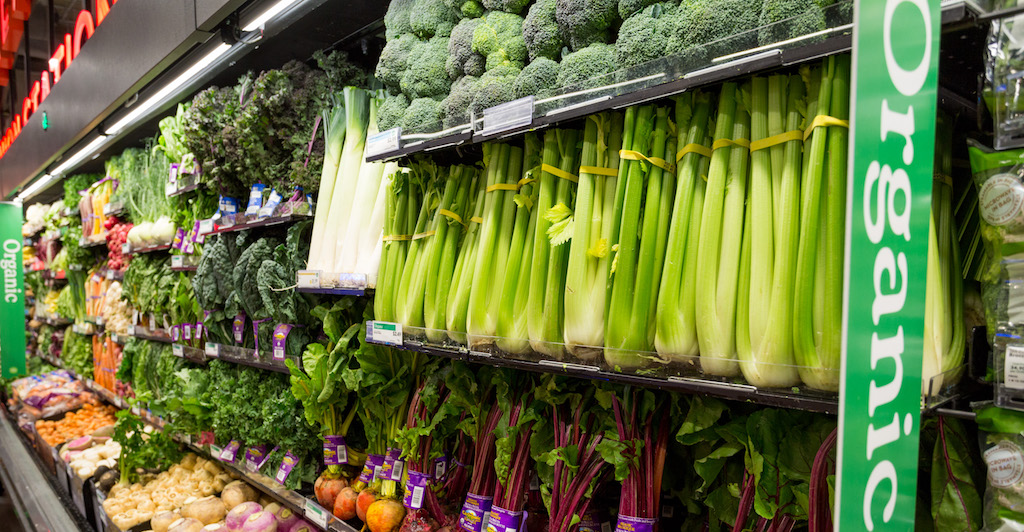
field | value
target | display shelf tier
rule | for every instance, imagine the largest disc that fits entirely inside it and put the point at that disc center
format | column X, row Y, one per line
column 93, row 241
column 332, row 284
column 242, row 221
column 150, row 249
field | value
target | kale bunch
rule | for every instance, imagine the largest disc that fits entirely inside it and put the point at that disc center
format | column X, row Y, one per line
column 211, row 135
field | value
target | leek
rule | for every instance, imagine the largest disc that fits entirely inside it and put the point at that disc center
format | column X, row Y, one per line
column 676, row 333
column 351, row 247
column 513, row 336
column 547, row 273
column 334, row 133
column 764, row 317
column 818, row 301
column 721, row 236
column 643, row 233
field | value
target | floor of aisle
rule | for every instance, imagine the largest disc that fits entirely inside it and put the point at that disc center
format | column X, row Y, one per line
column 8, row 518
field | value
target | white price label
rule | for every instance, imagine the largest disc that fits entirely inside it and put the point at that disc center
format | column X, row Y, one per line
column 205, row 227
column 170, row 188
column 177, row 261
column 126, row 248
column 384, row 142
column 507, row 116
column 131, row 330
column 100, row 321
column 110, row 275
column 383, row 332
column 308, row 278
column 315, row 514
column 1013, row 367
column 212, row 350
column 278, row 353
column 178, row 350
column 136, row 411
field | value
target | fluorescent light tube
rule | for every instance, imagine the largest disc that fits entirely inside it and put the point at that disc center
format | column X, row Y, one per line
column 270, row 13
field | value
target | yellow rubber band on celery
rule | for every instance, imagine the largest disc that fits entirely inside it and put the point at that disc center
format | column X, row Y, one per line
column 699, row 149
column 397, row 238
column 477, row 219
column 558, row 172
column 824, row 120
column 943, row 178
column 418, row 236
column 631, row 155
column 525, row 181
column 775, row 140
column 597, row 170
column 503, row 186
column 452, row 215
column 729, row 143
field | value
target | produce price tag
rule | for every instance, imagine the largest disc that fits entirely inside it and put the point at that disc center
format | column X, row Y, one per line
column 635, row 524
column 502, row 520
column 170, row 188
column 308, row 278
column 205, row 227
column 384, row 142
column 177, row 261
column 215, row 450
column 254, row 457
column 1013, row 367
column 186, row 331
column 238, row 327
column 414, row 489
column 136, row 411
column 178, row 351
column 507, row 116
column 126, row 248
column 131, row 330
column 110, row 275
column 335, row 450
column 382, row 332
column 476, row 513
column 287, row 464
column 212, row 350
column 230, row 452
column 280, row 340
column 315, row 514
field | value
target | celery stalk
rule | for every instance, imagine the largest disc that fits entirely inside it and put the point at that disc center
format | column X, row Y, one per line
column 440, row 273
column 721, row 236
column 458, row 299
column 409, row 301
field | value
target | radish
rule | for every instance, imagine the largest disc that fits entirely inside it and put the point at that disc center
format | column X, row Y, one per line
column 300, row 526
column 327, row 489
column 345, row 504
column 286, row 518
column 363, row 502
column 385, row 515
column 238, row 515
column 260, row 521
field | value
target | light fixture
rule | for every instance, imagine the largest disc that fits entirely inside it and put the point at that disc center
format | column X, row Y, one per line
column 141, row 109
column 270, row 13
column 31, row 190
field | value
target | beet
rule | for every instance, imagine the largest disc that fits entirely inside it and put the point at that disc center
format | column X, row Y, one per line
column 345, row 504
column 418, row 521
column 385, row 515
column 363, row 502
column 327, row 489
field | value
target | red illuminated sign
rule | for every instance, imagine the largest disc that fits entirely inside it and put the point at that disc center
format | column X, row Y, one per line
column 13, row 14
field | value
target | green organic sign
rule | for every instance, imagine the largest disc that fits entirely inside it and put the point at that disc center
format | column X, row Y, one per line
column 895, row 64
column 12, row 305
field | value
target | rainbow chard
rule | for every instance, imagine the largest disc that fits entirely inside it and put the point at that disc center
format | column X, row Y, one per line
column 818, row 301
column 721, row 236
column 764, row 318
column 676, row 334
column 586, row 283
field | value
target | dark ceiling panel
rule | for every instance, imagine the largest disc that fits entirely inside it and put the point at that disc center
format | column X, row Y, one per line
column 135, row 42
column 209, row 13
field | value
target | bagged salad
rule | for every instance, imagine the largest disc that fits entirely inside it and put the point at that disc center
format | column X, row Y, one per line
column 1001, row 435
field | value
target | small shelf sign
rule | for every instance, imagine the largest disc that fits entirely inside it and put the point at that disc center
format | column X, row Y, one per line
column 508, row 116
column 384, row 142
column 383, row 332
column 308, row 278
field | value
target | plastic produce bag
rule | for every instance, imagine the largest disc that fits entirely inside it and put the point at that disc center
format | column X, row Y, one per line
column 1004, row 77
column 1001, row 435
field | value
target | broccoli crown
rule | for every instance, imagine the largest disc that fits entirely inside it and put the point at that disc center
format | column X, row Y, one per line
column 468, row 8
column 785, row 19
column 422, row 113
column 541, row 33
column 475, row 66
column 455, row 108
column 538, row 77
column 396, row 20
column 460, row 47
column 578, row 69
column 643, row 36
column 494, row 88
column 390, row 112
column 500, row 38
column 585, row 22
column 394, row 59
column 426, row 77
column 508, row 6
column 628, row 8
column 700, row 23
column 432, row 17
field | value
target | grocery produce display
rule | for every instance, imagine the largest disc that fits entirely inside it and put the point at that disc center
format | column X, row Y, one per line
column 257, row 320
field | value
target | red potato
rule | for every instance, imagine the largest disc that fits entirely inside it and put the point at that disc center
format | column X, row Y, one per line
column 363, row 502
column 327, row 489
column 345, row 504
column 385, row 515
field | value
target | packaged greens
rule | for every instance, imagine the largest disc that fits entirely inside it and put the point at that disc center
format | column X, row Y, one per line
column 1001, row 435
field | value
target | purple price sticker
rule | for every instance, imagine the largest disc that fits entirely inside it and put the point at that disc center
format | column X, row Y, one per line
column 441, row 467
column 415, row 488
column 373, row 464
column 196, row 236
column 186, row 331
column 254, row 457
column 335, row 451
column 476, row 512
column 280, row 339
column 179, row 239
column 503, row 520
column 592, row 522
column 238, row 327
column 635, row 524
column 175, row 333
column 393, row 466
column 199, row 330
column 230, row 451
column 173, row 176
column 287, row 464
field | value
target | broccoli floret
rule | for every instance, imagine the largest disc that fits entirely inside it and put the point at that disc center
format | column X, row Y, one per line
column 422, row 113
column 801, row 17
column 390, row 112
column 709, row 28
column 468, row 8
column 460, row 48
column 508, row 6
column 541, row 33
column 628, row 8
column 494, row 88
column 431, row 18
column 455, row 107
column 585, row 22
column 579, row 69
column 396, row 20
column 394, row 60
column 538, row 77
column 499, row 38
column 426, row 77
column 643, row 37
column 476, row 65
